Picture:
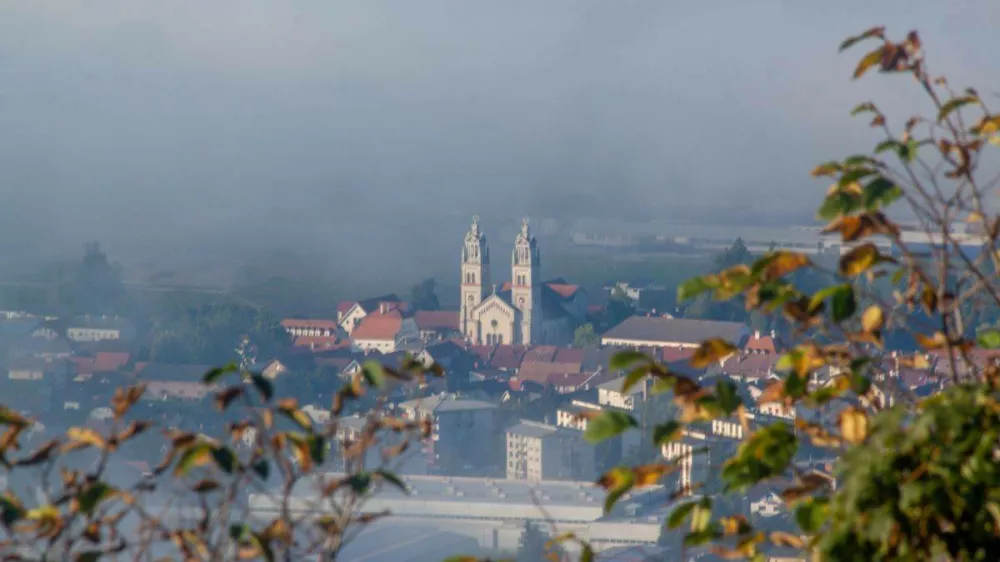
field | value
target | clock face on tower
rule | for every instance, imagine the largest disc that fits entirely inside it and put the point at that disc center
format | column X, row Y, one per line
column 520, row 302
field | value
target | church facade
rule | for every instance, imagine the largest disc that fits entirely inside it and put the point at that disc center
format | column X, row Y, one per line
column 524, row 310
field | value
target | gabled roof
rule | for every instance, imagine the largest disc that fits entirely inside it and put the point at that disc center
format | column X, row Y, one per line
column 371, row 305
column 102, row 323
column 444, row 402
column 507, row 356
column 563, row 290
column 762, row 343
column 569, row 379
column 540, row 371
column 344, row 306
column 534, row 429
column 379, row 326
column 436, row 319
column 541, row 353
column 676, row 330
column 319, row 343
column 569, row 355
column 101, row 362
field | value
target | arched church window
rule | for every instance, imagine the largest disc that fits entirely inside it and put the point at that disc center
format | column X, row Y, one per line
column 520, row 302
column 473, row 277
column 471, row 298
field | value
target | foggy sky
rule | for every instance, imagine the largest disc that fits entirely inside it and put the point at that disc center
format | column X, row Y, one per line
column 371, row 130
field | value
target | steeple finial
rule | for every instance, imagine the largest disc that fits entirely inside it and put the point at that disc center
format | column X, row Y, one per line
column 524, row 225
column 475, row 223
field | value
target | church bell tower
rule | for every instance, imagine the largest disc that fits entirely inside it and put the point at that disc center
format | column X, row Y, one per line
column 526, row 286
column 475, row 277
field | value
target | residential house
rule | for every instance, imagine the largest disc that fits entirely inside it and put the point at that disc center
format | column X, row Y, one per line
column 297, row 327
column 388, row 330
column 51, row 370
column 763, row 344
column 98, row 328
column 357, row 312
column 166, row 381
column 658, row 331
column 462, row 428
column 611, row 394
column 100, row 362
column 437, row 325
column 57, row 348
column 608, row 452
column 702, row 467
column 538, row 451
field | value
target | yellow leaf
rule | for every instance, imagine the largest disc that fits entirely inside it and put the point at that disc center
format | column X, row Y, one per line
column 872, row 320
column 616, row 478
column 937, row 341
column 649, row 474
column 711, row 351
column 781, row 538
column 868, row 61
column 781, row 263
column 853, row 425
column 859, row 260
column 85, row 437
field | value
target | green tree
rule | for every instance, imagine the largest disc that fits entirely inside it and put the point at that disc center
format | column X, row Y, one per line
column 95, row 285
column 423, row 295
column 618, row 308
column 585, row 336
column 913, row 478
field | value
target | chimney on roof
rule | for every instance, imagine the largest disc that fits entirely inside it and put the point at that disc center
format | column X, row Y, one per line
column 756, row 334
column 383, row 307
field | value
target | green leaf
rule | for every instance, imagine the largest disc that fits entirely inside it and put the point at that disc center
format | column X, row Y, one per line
column 263, row 386
column 262, row 468
column 607, row 425
column 988, row 339
column 224, row 458
column 867, row 107
column 360, row 482
column 666, row 432
column 94, row 495
column 215, row 374
column 88, row 556
column 193, row 456
column 393, row 479
column 796, row 386
column 265, row 547
column 238, row 531
column 692, row 288
column 634, row 377
column 879, row 192
column 373, row 373
column 955, row 104
column 679, row 514
column 843, row 303
column 625, row 359
column 837, row 204
column 10, row 510
column 317, row 448
column 702, row 515
column 729, row 399
column 587, row 553
column 811, row 514
column 626, row 480
column 860, row 383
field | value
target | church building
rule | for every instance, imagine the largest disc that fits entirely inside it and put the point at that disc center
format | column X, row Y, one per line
column 523, row 311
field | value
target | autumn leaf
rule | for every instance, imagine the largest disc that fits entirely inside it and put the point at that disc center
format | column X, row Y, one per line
column 711, row 351
column 871, row 59
column 872, row 320
column 81, row 437
column 937, row 341
column 853, row 425
column 875, row 32
column 649, row 474
column 954, row 104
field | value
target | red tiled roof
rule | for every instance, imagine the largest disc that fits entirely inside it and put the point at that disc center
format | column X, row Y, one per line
column 507, row 356
column 308, row 323
column 321, row 342
column 541, row 353
column 761, row 344
column 378, row 326
column 564, row 290
column 483, row 351
column 110, row 361
column 750, row 365
column 344, row 306
column 569, row 355
column 540, row 371
column 436, row 319
column 575, row 380
column 672, row 354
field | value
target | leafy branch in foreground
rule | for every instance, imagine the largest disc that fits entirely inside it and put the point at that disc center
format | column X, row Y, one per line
column 194, row 503
column 914, row 478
